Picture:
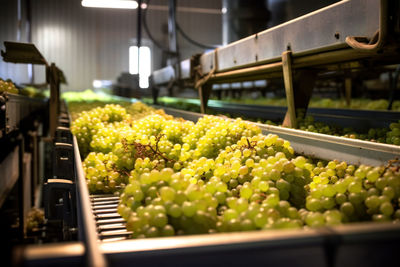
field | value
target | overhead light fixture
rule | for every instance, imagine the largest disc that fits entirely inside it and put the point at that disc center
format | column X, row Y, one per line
column 123, row 4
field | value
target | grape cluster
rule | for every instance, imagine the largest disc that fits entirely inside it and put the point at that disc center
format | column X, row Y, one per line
column 307, row 123
column 389, row 135
column 8, row 86
column 175, row 177
column 102, row 174
column 363, row 193
column 89, row 123
column 393, row 136
column 257, row 183
column 35, row 219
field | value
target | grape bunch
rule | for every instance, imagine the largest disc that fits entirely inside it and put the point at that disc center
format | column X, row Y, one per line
column 393, row 136
column 363, row 193
column 175, row 177
column 102, row 174
column 89, row 123
column 8, row 86
column 389, row 135
column 35, row 220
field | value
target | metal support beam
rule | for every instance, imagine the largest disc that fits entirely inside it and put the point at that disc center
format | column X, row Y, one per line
column 21, row 191
column 173, row 43
column 290, row 118
column 204, row 94
column 304, row 81
column 54, row 81
column 139, row 32
column 347, row 88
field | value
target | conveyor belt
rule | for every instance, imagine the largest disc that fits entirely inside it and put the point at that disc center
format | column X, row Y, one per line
column 110, row 225
column 105, row 240
column 359, row 120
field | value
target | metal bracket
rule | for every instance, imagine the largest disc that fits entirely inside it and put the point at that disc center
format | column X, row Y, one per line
column 28, row 53
column 22, row 53
column 378, row 40
column 202, row 85
column 170, row 87
column 347, row 90
column 52, row 74
column 298, row 87
column 290, row 118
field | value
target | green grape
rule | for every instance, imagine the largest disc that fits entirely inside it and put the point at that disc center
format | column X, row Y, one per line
column 167, row 230
column 347, row 208
column 328, row 203
column 242, row 204
column 175, row 210
column 354, row 187
column 386, row 208
column 263, row 186
column 372, row 202
column 355, row 198
column 260, row 220
column 313, row 204
column 167, row 193
column 246, row 191
column 188, row 209
column 230, row 214
column 389, row 192
column 314, row 219
column 333, row 217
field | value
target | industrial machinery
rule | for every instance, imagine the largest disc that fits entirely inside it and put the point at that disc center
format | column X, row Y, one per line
column 346, row 37
column 340, row 36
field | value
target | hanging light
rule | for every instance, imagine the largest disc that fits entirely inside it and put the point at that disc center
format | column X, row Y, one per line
column 123, row 4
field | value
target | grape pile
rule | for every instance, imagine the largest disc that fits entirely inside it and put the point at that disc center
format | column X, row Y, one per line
column 35, row 219
column 8, row 86
column 389, row 135
column 316, row 102
column 95, row 121
column 175, row 177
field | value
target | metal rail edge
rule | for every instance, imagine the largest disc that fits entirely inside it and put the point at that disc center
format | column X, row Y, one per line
column 87, row 229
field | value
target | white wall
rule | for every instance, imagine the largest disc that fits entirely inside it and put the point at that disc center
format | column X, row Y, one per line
column 88, row 43
column 10, row 31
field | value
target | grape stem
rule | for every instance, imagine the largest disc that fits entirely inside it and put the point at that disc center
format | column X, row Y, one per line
column 141, row 149
column 157, row 151
column 250, row 145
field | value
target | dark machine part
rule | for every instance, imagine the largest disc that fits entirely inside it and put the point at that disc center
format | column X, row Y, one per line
column 63, row 164
column 128, row 84
column 63, row 135
column 63, row 122
column 60, row 209
column 172, row 40
column 245, row 18
column 59, row 192
column 173, row 59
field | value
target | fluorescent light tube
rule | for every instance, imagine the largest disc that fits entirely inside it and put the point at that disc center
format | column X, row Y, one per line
column 124, row 4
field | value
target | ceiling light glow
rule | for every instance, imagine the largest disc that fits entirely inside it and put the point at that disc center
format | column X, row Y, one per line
column 123, row 4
